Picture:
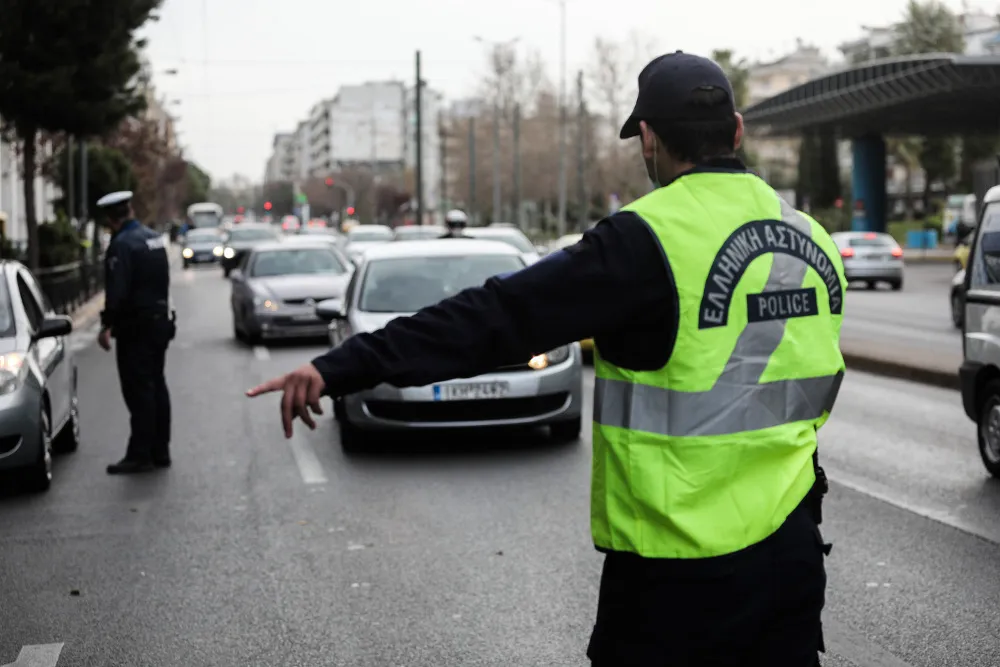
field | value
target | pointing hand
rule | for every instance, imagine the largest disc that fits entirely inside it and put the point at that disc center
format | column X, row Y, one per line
column 302, row 389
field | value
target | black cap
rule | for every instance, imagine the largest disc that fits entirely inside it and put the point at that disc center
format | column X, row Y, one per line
column 665, row 87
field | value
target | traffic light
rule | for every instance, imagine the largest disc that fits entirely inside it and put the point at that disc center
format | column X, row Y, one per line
column 239, row 209
column 350, row 210
column 329, row 181
column 267, row 206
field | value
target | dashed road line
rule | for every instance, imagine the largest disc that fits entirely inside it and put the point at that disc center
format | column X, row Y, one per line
column 261, row 353
column 40, row 655
column 305, row 458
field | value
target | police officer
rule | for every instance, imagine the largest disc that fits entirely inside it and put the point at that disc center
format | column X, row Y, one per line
column 138, row 315
column 715, row 309
column 456, row 221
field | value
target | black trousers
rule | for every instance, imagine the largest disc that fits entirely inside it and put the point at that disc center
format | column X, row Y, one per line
column 141, row 353
column 759, row 607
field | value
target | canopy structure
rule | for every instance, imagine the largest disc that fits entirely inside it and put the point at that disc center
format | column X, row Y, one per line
column 929, row 94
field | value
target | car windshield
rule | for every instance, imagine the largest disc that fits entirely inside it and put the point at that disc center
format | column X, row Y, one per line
column 205, row 219
column 873, row 241
column 202, row 236
column 368, row 235
column 295, row 262
column 508, row 236
column 251, row 235
column 405, row 285
column 418, row 233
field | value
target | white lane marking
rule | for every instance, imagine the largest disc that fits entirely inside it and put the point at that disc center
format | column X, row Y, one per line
column 940, row 516
column 846, row 643
column 305, row 458
column 40, row 655
column 261, row 353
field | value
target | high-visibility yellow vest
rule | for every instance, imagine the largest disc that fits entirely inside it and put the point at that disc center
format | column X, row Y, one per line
column 711, row 453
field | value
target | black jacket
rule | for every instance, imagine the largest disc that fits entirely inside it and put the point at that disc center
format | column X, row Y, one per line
column 137, row 276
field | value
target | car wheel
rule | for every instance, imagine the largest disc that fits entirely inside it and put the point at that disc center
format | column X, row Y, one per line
column 225, row 272
column 39, row 477
column 897, row 285
column 338, row 409
column 351, row 437
column 68, row 438
column 957, row 309
column 989, row 428
column 187, row 264
column 871, row 284
column 566, row 431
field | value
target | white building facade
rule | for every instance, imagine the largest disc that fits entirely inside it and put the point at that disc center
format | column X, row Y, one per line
column 283, row 163
column 12, row 194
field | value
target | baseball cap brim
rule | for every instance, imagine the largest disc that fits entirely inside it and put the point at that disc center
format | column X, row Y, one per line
column 630, row 128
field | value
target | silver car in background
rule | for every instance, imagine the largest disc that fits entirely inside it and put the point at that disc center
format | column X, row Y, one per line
column 398, row 279
column 38, row 380
column 418, row 232
column 512, row 236
column 202, row 246
column 276, row 287
column 362, row 237
column 870, row 257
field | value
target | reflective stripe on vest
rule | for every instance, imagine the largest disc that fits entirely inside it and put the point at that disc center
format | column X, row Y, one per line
column 738, row 402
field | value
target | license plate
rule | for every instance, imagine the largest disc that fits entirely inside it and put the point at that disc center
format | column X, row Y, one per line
column 304, row 318
column 472, row 391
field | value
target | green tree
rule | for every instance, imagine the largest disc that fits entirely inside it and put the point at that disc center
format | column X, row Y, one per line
column 738, row 72
column 67, row 65
column 197, row 185
column 975, row 148
column 108, row 170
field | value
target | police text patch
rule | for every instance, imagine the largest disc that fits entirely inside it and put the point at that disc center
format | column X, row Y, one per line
column 782, row 304
column 748, row 243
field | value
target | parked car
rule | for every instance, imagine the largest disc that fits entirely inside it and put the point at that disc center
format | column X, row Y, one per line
column 979, row 375
column 511, row 235
column 418, row 232
column 241, row 239
column 276, row 289
column 871, row 257
column 397, row 279
column 39, row 412
column 362, row 237
column 202, row 246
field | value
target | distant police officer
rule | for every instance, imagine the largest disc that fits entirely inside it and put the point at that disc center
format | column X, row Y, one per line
column 716, row 311
column 456, row 222
column 138, row 315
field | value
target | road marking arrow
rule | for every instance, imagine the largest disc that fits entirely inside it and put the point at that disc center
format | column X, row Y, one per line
column 40, row 655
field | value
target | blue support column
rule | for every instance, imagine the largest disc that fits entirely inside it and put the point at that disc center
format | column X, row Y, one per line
column 868, row 184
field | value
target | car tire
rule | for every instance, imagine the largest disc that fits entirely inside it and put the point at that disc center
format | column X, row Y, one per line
column 897, row 285
column 871, row 284
column 187, row 264
column 225, row 272
column 338, row 409
column 68, row 439
column 352, row 438
column 39, row 476
column 988, row 427
column 957, row 309
column 566, row 431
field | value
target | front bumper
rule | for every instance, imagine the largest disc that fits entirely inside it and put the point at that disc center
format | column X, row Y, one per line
column 19, row 428
column 888, row 273
column 554, row 394
column 288, row 322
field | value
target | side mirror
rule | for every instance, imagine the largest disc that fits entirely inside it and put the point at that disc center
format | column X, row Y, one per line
column 330, row 310
column 53, row 326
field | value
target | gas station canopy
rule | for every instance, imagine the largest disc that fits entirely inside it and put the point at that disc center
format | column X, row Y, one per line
column 929, row 94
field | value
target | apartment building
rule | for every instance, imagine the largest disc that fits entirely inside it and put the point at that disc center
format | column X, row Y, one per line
column 283, row 163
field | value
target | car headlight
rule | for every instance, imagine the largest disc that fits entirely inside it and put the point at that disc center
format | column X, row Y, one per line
column 217, row 250
column 265, row 304
column 187, row 253
column 12, row 371
column 556, row 356
column 229, row 253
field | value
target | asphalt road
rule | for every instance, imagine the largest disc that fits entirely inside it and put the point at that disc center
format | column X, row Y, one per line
column 915, row 322
column 469, row 551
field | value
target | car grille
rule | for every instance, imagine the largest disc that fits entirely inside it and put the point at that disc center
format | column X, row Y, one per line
column 302, row 301
column 466, row 411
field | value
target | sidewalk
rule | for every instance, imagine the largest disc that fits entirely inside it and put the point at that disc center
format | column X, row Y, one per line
column 891, row 359
column 937, row 255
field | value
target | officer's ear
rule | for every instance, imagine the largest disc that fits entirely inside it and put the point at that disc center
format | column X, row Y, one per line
column 649, row 140
column 738, row 139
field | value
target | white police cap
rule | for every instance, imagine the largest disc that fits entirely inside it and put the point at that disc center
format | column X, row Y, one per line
column 456, row 215
column 114, row 198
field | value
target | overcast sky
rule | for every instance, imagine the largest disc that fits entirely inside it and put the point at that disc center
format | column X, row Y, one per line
column 250, row 68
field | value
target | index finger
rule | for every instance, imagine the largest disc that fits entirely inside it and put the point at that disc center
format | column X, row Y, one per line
column 271, row 385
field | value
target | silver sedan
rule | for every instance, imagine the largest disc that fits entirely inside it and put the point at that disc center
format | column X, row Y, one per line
column 398, row 279
column 871, row 257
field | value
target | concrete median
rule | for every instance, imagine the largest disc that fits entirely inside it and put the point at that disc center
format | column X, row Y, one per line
column 939, row 370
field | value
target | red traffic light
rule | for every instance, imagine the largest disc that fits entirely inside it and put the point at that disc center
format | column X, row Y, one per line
column 350, row 210
column 329, row 181
column 267, row 206
column 239, row 209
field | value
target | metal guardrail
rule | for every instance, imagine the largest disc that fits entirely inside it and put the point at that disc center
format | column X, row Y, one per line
column 69, row 286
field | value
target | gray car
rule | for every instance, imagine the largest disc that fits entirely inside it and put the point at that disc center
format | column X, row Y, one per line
column 202, row 246
column 242, row 238
column 870, row 257
column 363, row 237
column 397, row 279
column 511, row 235
column 276, row 287
column 38, row 380
column 418, row 232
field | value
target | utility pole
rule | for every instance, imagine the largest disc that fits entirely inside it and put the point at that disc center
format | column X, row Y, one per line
column 581, row 154
column 562, row 118
column 518, row 217
column 496, row 159
column 374, row 161
column 443, row 149
column 472, row 169
column 95, row 238
column 420, row 147
column 70, row 185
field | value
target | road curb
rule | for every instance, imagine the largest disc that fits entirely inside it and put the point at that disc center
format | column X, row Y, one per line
column 895, row 369
column 948, row 259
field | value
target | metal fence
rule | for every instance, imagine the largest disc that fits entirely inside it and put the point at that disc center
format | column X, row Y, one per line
column 71, row 285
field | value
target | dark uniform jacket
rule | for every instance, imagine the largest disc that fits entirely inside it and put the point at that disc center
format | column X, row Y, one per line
column 137, row 277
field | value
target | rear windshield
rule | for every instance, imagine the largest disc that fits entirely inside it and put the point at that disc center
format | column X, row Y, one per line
column 868, row 242
column 251, row 234
column 511, row 237
column 202, row 235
